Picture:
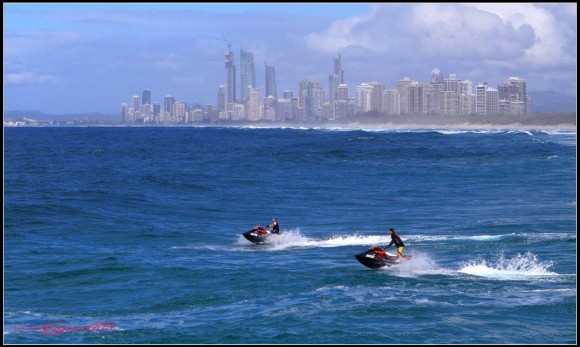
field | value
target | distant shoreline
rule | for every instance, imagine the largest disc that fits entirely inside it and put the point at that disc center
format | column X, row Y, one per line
column 350, row 126
column 368, row 121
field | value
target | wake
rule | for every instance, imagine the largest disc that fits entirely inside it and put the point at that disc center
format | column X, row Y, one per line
column 520, row 267
column 293, row 238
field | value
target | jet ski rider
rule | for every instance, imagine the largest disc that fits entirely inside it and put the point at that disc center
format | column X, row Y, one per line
column 395, row 239
column 275, row 227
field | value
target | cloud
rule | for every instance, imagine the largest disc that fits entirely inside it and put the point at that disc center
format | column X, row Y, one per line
column 16, row 73
column 27, row 77
column 488, row 40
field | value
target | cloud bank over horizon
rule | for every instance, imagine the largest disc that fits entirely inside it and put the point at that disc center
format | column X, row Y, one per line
column 93, row 59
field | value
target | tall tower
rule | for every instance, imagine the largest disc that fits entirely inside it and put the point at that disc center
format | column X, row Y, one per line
column 271, row 81
column 168, row 102
column 135, row 103
column 338, row 69
column 146, row 97
column 247, row 73
column 221, row 98
column 230, row 76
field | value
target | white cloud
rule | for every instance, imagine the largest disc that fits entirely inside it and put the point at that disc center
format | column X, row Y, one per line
column 489, row 40
column 487, row 31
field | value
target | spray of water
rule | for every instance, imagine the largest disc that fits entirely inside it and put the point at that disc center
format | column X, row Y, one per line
column 522, row 266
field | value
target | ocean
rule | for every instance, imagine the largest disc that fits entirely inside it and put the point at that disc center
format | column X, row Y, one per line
column 138, row 229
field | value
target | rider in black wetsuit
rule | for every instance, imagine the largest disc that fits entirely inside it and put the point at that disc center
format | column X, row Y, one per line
column 395, row 239
column 275, row 227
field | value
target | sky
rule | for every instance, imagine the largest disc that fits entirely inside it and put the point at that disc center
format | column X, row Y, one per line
column 80, row 58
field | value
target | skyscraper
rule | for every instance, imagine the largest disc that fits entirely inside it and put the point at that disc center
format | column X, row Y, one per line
column 146, row 97
column 135, row 102
column 168, row 109
column 403, row 89
column 125, row 112
column 221, row 98
column 252, row 108
column 342, row 92
column 338, row 69
column 434, row 94
column 230, row 95
column 247, row 73
column 480, row 103
column 514, row 91
column 271, row 81
column 491, row 101
column 333, row 83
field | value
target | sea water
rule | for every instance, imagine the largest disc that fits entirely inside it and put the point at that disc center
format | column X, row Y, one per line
column 141, row 228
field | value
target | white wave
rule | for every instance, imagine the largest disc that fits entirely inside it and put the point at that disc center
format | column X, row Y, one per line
column 548, row 236
column 520, row 267
column 421, row 264
column 293, row 238
column 421, row 238
column 552, row 290
column 472, row 131
column 553, row 156
column 559, row 132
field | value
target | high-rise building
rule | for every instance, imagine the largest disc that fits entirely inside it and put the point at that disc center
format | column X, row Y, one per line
column 168, row 108
column 480, row 103
column 416, row 98
column 434, row 93
column 391, row 102
column 342, row 92
column 146, row 97
column 333, row 83
column 179, row 112
column 221, row 98
column 403, row 89
column 156, row 111
column 284, row 109
column 135, row 103
column 288, row 94
column 311, row 98
column 247, row 73
column 514, row 90
column 466, row 87
column 436, row 76
column 467, row 104
column 449, row 105
column 363, row 97
column 377, row 96
column 230, row 93
column 491, row 101
column 253, row 104
column 125, row 113
column 341, row 109
column 338, row 69
column 271, row 81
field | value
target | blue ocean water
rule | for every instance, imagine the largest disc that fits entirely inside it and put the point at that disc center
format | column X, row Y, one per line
column 141, row 227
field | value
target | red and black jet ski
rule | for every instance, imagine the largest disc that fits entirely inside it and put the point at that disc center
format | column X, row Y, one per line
column 376, row 258
column 257, row 235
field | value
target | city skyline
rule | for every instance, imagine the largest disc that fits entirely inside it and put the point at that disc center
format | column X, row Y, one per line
column 447, row 97
column 72, row 57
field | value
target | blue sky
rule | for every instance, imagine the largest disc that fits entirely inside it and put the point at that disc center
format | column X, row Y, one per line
column 74, row 58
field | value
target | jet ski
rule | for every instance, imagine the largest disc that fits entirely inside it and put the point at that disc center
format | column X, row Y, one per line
column 257, row 235
column 375, row 258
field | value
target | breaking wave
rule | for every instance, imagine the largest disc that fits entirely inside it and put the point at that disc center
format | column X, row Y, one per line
column 520, row 267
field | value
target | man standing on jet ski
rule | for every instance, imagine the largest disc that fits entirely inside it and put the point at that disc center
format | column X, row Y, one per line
column 395, row 239
column 275, row 227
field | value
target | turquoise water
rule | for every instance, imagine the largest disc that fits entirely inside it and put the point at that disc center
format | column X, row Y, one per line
column 141, row 227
